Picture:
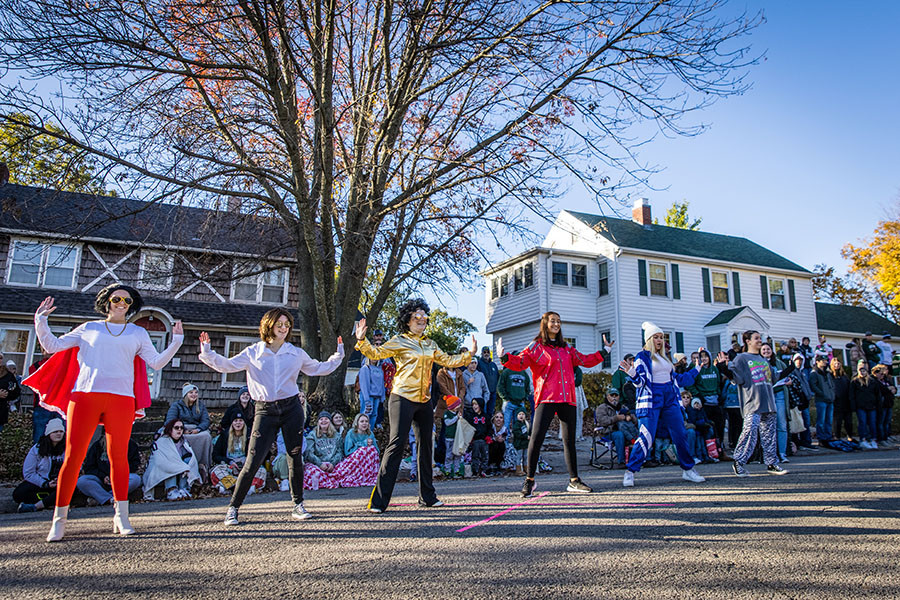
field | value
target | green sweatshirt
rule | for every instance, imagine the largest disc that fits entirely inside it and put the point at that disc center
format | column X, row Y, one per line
column 706, row 383
column 514, row 386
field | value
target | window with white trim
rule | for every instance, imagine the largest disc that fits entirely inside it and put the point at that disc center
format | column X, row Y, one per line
column 560, row 272
column 155, row 272
column 528, row 275
column 659, row 282
column 517, row 279
column 579, row 275
column 495, row 288
column 41, row 264
column 504, row 284
column 720, row 287
column 233, row 346
column 776, row 294
column 570, row 341
column 269, row 287
column 604, row 278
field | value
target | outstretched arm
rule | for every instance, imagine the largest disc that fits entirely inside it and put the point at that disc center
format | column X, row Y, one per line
column 217, row 362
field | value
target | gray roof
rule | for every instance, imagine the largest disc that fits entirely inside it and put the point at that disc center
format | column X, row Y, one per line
column 625, row 233
column 725, row 316
column 853, row 319
column 80, row 216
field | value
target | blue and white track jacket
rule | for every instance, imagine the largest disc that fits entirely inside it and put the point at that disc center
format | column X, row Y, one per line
column 643, row 380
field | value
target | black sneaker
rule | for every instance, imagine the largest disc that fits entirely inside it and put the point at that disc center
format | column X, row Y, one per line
column 434, row 504
column 528, row 488
column 776, row 470
column 578, row 487
column 739, row 469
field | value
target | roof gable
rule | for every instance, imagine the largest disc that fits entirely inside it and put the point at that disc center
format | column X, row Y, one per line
column 672, row 240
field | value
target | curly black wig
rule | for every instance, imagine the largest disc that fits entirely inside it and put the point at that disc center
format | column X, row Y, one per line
column 101, row 305
column 406, row 312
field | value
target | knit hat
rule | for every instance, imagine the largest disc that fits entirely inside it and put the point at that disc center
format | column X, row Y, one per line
column 242, row 390
column 325, row 414
column 696, row 403
column 861, row 363
column 453, row 403
column 54, row 425
column 678, row 356
column 238, row 415
column 12, row 363
column 796, row 356
column 650, row 329
column 187, row 388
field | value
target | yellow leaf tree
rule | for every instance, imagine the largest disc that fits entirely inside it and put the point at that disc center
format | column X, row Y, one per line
column 875, row 268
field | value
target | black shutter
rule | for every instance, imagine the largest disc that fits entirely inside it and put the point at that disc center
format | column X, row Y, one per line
column 792, row 296
column 676, row 283
column 642, row 276
column 736, row 278
column 679, row 342
column 707, row 286
column 764, row 288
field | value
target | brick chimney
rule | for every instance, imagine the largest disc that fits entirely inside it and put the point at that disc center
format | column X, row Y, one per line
column 4, row 173
column 640, row 214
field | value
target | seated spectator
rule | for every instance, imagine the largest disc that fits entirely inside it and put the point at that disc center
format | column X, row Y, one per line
column 337, row 419
column 452, row 462
column 521, row 436
column 618, row 422
column 361, row 461
column 172, row 463
column 230, row 454
column 699, row 429
column 496, row 439
column 243, row 405
column 195, row 418
column 41, row 469
column 359, row 436
column 279, row 462
column 622, row 382
column 95, row 483
column 477, row 419
column 324, row 450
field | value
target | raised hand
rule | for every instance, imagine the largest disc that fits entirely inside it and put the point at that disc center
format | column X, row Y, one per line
column 474, row 347
column 721, row 357
column 499, row 348
column 204, row 337
column 178, row 328
column 361, row 329
column 607, row 343
column 340, row 340
column 46, row 307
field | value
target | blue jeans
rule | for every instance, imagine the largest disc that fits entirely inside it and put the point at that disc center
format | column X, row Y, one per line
column 824, row 412
column 884, row 427
column 93, row 486
column 867, row 425
column 510, row 410
column 370, row 408
column 491, row 404
column 781, row 409
column 805, row 435
column 176, row 481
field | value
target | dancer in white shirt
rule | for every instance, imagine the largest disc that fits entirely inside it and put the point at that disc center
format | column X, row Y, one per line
column 272, row 366
column 105, row 390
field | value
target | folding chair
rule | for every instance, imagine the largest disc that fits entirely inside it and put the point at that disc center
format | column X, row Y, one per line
column 603, row 454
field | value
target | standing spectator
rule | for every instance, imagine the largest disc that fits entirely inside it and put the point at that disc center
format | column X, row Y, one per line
column 451, row 383
column 794, row 348
column 513, row 390
column 9, row 391
column 871, row 350
column 843, row 412
column 371, row 388
column 477, row 419
column 389, row 369
column 244, row 406
column 581, row 405
column 13, row 368
column 888, row 392
column 452, row 416
column 491, row 373
column 753, row 376
column 854, row 348
column 732, row 405
column 476, row 384
column 172, row 463
column 865, row 394
column 192, row 413
column 800, row 397
column 706, row 388
column 496, row 439
column 619, row 421
column 96, row 483
column 41, row 469
column 822, row 385
column 784, row 353
column 887, row 353
column 824, row 348
column 40, row 416
column 622, row 382
column 781, row 401
column 521, row 434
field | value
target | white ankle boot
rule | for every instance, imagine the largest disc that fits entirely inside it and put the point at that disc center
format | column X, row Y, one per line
column 120, row 519
column 58, row 527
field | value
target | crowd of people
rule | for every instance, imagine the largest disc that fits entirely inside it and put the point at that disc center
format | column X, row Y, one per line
column 462, row 414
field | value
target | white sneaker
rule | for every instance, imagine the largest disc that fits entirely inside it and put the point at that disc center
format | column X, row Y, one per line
column 692, row 475
column 628, row 480
column 285, row 485
column 252, row 490
column 300, row 513
column 185, row 494
column 221, row 489
column 174, row 494
column 231, row 517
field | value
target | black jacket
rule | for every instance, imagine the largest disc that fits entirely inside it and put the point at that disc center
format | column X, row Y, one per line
column 96, row 462
column 842, row 393
column 234, row 409
column 865, row 397
column 220, row 450
column 9, row 383
column 479, row 422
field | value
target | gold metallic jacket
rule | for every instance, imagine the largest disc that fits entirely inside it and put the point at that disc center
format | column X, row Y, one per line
column 414, row 357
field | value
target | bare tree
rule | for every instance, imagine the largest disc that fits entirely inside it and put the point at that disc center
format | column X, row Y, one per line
column 379, row 132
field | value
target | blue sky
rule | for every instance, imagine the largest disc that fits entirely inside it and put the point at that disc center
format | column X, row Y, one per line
column 805, row 161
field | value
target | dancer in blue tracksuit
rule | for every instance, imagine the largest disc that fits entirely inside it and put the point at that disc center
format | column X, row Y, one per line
column 658, row 404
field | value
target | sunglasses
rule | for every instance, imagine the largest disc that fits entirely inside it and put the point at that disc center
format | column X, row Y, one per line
column 120, row 299
column 178, row 427
column 421, row 315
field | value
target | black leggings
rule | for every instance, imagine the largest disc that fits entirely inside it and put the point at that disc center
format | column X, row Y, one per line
column 29, row 493
column 842, row 419
column 543, row 415
column 716, row 414
column 735, row 426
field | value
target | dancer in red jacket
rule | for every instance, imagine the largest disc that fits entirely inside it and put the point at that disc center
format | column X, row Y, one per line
column 103, row 388
column 552, row 363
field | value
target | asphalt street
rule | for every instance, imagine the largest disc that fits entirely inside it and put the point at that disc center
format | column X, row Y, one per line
column 827, row 530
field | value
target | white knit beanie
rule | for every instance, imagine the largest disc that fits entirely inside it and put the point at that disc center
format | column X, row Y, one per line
column 650, row 329
column 187, row 388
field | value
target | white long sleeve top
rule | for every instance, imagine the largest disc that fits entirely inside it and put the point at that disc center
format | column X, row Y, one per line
column 271, row 375
column 106, row 361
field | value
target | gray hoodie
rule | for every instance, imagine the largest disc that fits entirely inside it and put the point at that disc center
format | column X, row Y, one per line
column 753, row 377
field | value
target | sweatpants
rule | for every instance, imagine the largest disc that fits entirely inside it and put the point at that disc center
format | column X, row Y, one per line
column 403, row 414
column 669, row 417
column 767, row 425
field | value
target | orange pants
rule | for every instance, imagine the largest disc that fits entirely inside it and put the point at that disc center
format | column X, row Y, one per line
column 87, row 410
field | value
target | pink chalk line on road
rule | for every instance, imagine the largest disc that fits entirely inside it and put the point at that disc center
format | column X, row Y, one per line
column 503, row 512
column 557, row 504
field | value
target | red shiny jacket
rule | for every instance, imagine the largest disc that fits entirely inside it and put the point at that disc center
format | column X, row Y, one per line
column 552, row 369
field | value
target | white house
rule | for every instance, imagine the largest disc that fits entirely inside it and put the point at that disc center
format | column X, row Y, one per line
column 606, row 276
